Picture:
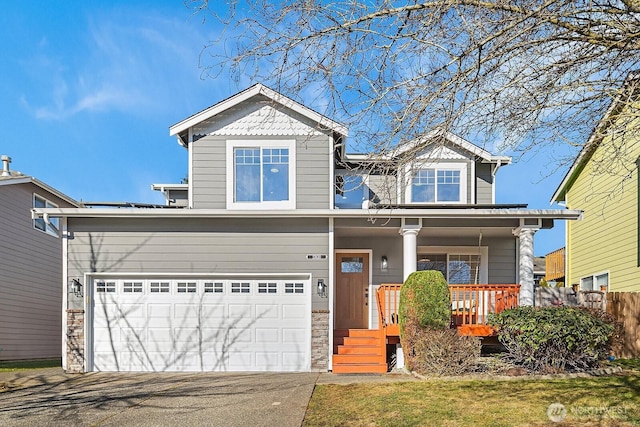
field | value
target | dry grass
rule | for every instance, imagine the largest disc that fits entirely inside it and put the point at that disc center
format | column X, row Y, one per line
column 608, row 401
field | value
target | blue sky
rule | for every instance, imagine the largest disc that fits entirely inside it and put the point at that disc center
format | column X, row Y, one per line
column 88, row 91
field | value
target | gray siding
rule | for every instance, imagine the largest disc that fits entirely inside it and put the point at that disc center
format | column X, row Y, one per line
column 30, row 279
column 200, row 246
column 178, row 198
column 383, row 189
column 313, row 187
column 312, row 171
column 484, row 183
column 209, row 173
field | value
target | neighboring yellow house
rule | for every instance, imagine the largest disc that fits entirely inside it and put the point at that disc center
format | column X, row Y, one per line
column 603, row 250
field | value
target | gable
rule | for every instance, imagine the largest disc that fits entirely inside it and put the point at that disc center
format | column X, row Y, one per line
column 440, row 152
column 260, row 93
column 257, row 117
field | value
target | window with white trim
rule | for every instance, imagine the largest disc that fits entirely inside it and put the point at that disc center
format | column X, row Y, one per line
column 594, row 282
column 458, row 264
column 187, row 287
column 294, row 288
column 267, row 288
column 213, row 287
column 132, row 287
column 102, row 286
column 442, row 183
column 53, row 225
column 261, row 174
column 160, row 287
column 240, row 287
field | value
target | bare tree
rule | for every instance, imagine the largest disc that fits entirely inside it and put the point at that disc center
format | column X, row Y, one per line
column 516, row 76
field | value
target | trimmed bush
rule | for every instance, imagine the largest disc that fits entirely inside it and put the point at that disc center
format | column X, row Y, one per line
column 553, row 339
column 424, row 298
column 438, row 352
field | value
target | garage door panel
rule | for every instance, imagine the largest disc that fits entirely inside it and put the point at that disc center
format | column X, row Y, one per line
column 294, row 311
column 267, row 335
column 240, row 311
column 161, row 337
column 294, row 361
column 260, row 327
column 185, row 335
column 266, row 360
column 240, row 361
column 293, row 335
column 133, row 336
column 264, row 311
column 159, row 311
column 240, row 335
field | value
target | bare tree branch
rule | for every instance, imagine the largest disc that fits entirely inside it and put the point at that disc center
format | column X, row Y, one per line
column 516, row 76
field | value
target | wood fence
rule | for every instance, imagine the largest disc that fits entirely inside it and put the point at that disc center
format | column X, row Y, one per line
column 625, row 307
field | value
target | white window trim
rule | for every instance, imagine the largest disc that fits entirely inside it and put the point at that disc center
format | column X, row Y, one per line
column 483, row 251
column 593, row 278
column 47, row 204
column 460, row 166
column 261, row 143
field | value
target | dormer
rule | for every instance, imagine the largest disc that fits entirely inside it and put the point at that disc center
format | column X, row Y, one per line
column 259, row 150
column 439, row 169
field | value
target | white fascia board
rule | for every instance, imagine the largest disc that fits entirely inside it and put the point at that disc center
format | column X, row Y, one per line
column 453, row 138
column 167, row 187
column 42, row 185
column 308, row 213
column 248, row 93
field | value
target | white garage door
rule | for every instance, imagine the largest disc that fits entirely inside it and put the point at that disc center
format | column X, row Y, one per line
column 201, row 325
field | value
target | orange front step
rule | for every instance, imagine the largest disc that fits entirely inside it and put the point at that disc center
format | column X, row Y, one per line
column 359, row 349
column 363, row 333
column 349, row 341
column 350, row 359
column 360, row 368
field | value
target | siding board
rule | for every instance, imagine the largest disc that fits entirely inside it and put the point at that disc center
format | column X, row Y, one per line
column 30, row 278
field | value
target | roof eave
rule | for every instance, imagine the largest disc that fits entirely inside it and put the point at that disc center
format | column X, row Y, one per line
column 257, row 89
column 564, row 214
column 32, row 180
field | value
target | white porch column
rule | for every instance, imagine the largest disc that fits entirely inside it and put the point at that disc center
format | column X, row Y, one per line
column 525, row 236
column 409, row 249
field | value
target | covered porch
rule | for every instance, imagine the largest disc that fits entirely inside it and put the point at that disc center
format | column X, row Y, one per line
column 488, row 262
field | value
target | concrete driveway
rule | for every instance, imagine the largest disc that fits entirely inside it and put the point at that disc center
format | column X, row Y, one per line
column 48, row 397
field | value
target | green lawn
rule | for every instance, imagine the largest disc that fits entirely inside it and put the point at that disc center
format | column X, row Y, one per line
column 29, row 364
column 604, row 401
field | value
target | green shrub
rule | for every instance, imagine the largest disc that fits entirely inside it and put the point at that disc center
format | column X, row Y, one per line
column 439, row 352
column 553, row 339
column 424, row 297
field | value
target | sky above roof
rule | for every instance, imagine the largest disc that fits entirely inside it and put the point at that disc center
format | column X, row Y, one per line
column 88, row 91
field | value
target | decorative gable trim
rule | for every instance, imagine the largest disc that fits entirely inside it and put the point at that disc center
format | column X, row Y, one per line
column 266, row 121
column 258, row 89
column 440, row 153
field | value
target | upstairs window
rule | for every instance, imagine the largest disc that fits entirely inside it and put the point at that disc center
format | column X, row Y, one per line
column 351, row 191
column 260, row 175
column 441, row 184
column 39, row 224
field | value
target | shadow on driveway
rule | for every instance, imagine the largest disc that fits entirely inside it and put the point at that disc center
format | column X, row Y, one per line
column 49, row 397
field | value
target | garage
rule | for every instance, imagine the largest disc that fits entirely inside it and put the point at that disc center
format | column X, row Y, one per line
column 187, row 323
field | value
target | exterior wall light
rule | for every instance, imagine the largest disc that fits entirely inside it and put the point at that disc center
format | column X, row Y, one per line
column 75, row 287
column 384, row 262
column 322, row 288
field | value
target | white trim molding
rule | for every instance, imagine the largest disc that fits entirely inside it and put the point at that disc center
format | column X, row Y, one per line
column 289, row 144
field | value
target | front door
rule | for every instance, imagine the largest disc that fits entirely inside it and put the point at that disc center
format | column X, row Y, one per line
column 352, row 290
